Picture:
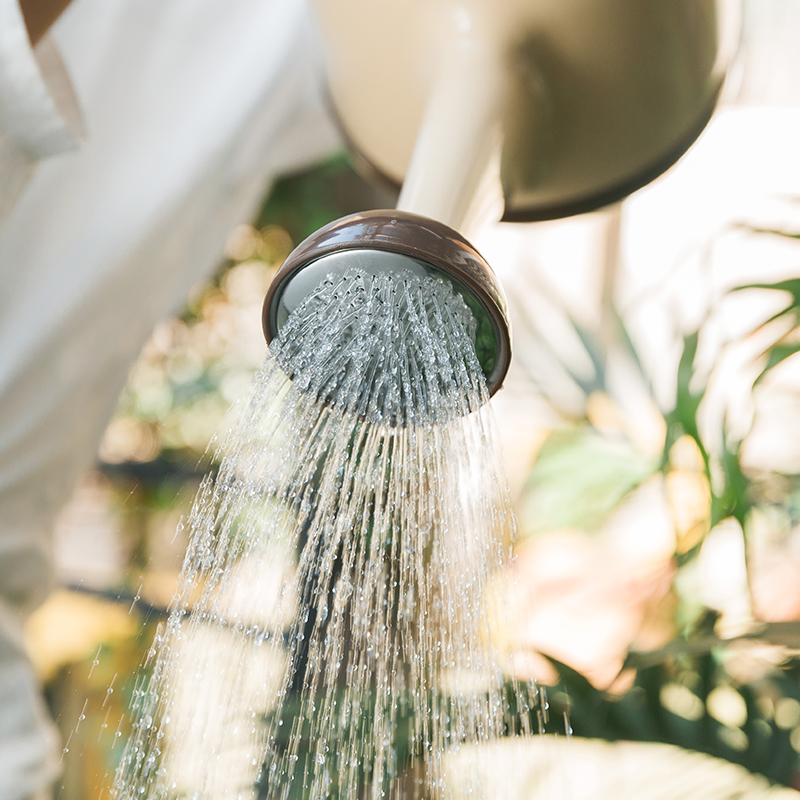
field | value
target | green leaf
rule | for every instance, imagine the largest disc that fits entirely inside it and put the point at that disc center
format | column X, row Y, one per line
column 597, row 355
column 791, row 285
column 578, row 479
column 770, row 231
column 734, row 500
column 629, row 348
column 589, row 708
column 687, row 401
column 775, row 355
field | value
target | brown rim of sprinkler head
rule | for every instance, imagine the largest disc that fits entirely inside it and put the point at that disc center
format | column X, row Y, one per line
column 426, row 241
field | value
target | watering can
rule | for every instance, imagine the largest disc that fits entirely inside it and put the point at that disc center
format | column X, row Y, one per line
column 521, row 110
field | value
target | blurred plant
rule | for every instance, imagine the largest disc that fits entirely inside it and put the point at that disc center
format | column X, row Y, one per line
column 197, row 364
column 693, row 702
column 91, row 694
column 719, row 680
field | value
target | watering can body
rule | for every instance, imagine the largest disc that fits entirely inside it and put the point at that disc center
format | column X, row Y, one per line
column 521, row 109
column 575, row 103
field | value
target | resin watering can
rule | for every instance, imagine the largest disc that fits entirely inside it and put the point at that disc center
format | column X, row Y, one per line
column 523, row 110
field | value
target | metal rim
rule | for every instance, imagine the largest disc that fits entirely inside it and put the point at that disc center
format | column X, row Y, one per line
column 411, row 235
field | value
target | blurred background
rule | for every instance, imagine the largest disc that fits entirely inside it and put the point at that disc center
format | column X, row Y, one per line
column 657, row 556
column 651, row 429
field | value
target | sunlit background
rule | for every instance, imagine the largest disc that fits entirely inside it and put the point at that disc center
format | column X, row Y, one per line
column 651, row 429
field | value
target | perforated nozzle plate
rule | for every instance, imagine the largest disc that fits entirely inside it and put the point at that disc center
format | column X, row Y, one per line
column 394, row 240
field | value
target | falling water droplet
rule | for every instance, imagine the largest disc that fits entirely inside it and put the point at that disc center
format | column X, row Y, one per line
column 357, row 517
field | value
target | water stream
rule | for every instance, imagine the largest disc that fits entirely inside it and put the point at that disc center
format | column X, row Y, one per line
column 332, row 636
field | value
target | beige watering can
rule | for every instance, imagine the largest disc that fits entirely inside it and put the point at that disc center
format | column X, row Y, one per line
column 523, row 110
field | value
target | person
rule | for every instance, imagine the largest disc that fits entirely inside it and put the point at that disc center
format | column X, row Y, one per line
column 191, row 108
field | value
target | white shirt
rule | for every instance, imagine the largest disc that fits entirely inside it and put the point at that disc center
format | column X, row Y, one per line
column 191, row 107
column 39, row 115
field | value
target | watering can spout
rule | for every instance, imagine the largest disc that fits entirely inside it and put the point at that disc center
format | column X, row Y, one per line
column 550, row 108
column 399, row 243
column 485, row 109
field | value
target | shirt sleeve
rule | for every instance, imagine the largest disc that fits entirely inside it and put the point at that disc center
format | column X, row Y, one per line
column 39, row 114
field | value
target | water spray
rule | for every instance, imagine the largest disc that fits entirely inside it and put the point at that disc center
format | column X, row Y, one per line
column 399, row 244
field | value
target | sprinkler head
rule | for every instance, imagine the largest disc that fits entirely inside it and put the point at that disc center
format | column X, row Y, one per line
column 395, row 241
